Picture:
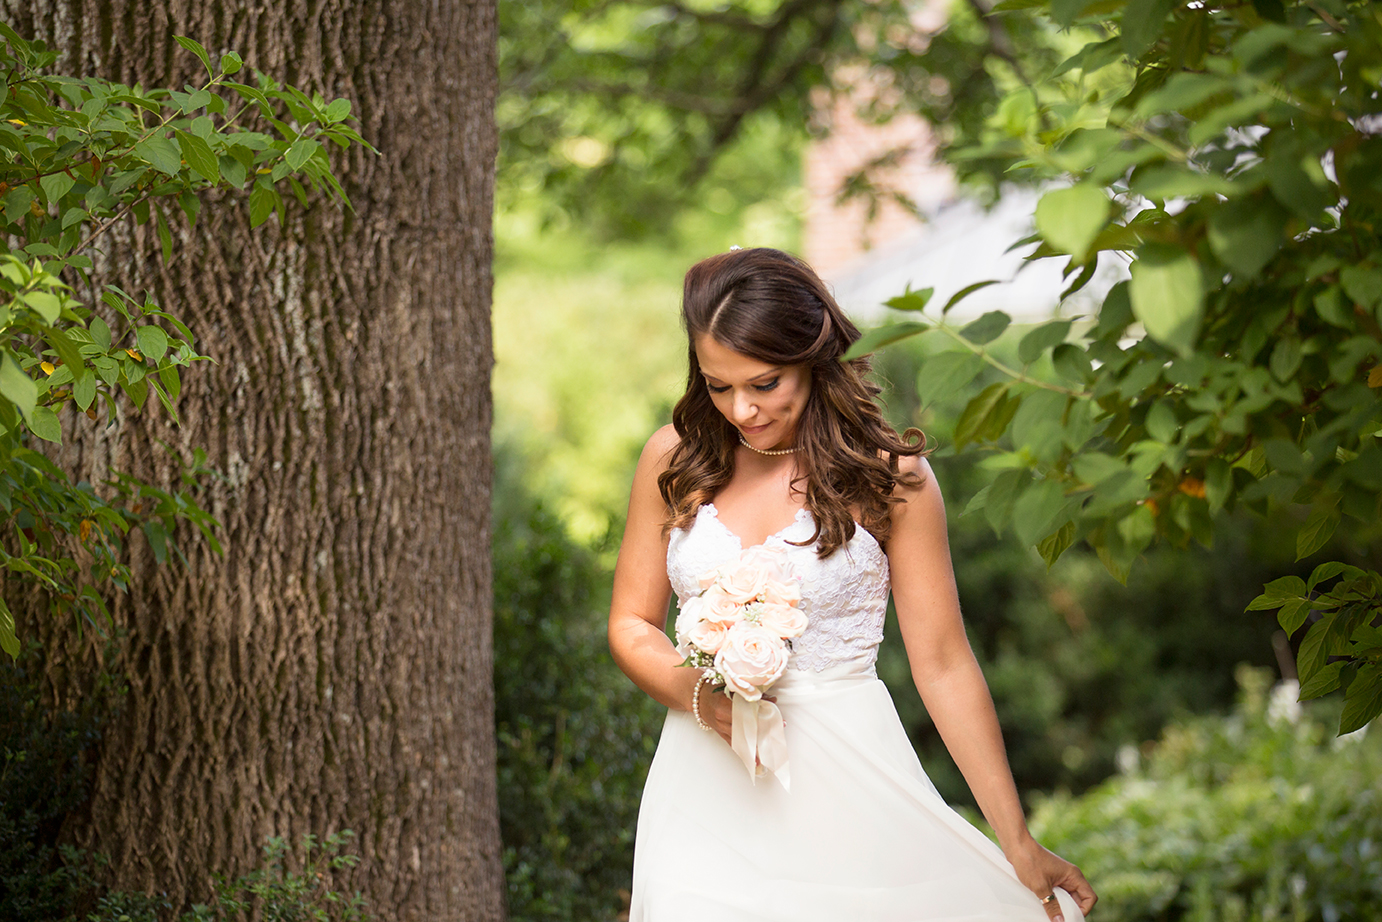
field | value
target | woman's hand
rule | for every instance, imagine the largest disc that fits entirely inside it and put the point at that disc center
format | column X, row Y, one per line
column 717, row 710
column 1041, row 871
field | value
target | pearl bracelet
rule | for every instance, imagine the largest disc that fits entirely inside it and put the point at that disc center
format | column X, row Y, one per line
column 704, row 680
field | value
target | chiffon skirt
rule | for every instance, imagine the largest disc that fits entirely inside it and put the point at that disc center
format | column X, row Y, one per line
column 862, row 836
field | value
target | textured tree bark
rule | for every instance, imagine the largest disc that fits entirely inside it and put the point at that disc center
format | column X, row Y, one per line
column 333, row 669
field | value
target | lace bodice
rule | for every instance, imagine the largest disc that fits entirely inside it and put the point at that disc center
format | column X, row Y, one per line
column 844, row 596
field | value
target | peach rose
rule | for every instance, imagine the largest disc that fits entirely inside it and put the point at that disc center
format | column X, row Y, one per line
column 691, row 612
column 718, row 606
column 782, row 593
column 751, row 659
column 773, row 562
column 782, row 620
column 743, row 583
column 709, row 636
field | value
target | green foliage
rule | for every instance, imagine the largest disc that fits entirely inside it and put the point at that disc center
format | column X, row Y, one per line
column 1249, row 818
column 1239, row 366
column 80, row 157
column 1078, row 665
column 575, row 736
column 1338, row 649
column 271, row 892
column 44, row 776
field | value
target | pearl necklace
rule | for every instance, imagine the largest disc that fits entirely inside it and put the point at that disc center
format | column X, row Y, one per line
column 765, row 451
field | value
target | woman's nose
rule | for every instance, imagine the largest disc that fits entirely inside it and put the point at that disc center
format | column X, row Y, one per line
column 744, row 408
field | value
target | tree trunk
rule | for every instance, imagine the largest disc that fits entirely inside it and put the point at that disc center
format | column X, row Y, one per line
column 333, row 669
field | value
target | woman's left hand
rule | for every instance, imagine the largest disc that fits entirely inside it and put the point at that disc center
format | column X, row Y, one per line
column 1042, row 871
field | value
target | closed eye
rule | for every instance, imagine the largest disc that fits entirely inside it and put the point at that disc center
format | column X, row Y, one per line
column 764, row 388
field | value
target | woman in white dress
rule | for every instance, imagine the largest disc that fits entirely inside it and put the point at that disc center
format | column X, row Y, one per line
column 778, row 443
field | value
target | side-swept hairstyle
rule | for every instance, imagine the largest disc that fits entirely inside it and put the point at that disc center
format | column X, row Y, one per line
column 772, row 307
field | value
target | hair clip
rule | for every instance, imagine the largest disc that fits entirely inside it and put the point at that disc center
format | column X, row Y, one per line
column 734, row 246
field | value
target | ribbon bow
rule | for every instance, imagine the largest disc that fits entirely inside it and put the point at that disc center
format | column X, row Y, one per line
column 760, row 739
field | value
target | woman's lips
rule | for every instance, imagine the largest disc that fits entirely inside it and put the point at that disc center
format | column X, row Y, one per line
column 754, row 430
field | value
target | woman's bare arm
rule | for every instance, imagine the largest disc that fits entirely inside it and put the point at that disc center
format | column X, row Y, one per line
column 952, row 686
column 638, row 607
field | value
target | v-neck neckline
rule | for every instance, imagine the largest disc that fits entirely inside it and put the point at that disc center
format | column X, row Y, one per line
column 715, row 514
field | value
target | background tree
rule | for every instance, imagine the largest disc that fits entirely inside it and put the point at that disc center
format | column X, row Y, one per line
column 1230, row 151
column 332, row 670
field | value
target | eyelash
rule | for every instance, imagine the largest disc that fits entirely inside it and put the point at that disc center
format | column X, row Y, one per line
column 762, row 388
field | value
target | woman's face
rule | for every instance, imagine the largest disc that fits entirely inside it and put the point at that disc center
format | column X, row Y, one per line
column 764, row 402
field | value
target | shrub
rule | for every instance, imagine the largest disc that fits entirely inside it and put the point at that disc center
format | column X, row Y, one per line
column 1253, row 817
column 575, row 735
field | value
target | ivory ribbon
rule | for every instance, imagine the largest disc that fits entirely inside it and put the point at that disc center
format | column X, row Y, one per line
column 760, row 739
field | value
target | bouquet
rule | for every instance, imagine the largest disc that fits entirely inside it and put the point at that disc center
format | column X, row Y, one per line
column 738, row 631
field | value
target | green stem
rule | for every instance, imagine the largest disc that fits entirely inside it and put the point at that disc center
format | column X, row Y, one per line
column 1010, row 372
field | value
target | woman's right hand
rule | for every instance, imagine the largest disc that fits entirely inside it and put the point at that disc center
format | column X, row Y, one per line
column 717, row 711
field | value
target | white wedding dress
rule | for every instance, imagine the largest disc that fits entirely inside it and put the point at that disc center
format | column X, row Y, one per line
column 862, row 836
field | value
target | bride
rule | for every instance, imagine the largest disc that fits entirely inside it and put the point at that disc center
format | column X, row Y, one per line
column 778, row 444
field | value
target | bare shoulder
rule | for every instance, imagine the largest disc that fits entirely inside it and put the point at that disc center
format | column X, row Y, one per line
column 657, row 451
column 656, row 457
column 920, row 499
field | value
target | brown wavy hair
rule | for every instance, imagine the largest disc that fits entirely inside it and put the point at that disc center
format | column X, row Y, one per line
column 772, row 307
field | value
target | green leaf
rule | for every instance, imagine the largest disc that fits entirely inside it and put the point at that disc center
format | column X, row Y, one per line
column 945, row 374
column 164, row 237
column 300, row 152
column 1246, row 233
column 263, row 198
column 45, row 304
column 231, row 64
column 987, row 328
column 1183, row 91
column 1363, row 284
column 1040, row 339
column 1318, row 529
column 15, row 386
column 168, row 374
column 1141, row 24
column 56, row 185
column 971, row 424
column 1322, row 682
column 196, row 48
column 9, row 642
column 199, row 157
column 338, row 110
column 43, row 422
column 1311, row 656
column 1167, row 293
column 1056, row 544
column 965, row 292
column 1329, row 570
column 1161, row 422
column 1035, row 512
column 1277, row 593
column 1002, row 493
column 879, row 337
column 84, row 389
column 100, row 333
column 153, row 342
column 1218, row 482
column 1285, row 360
column 17, row 202
column 1362, row 700
column 1162, row 182
column 163, row 155
column 1066, row 12
column 1293, row 615
column 911, row 300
